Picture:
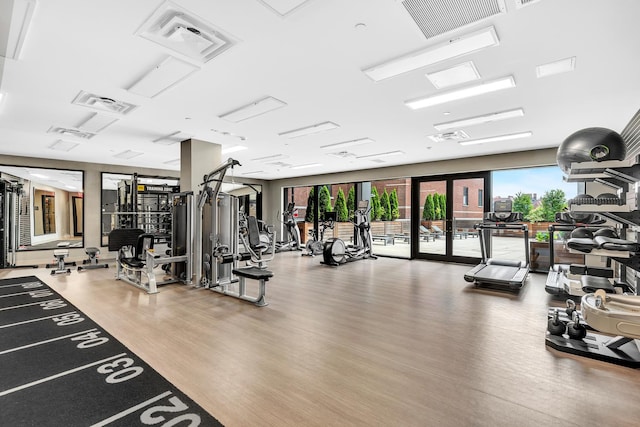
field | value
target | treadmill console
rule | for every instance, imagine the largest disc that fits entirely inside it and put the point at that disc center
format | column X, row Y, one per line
column 502, row 212
column 363, row 205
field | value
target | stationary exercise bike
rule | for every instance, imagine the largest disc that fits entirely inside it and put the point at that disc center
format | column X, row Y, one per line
column 292, row 232
column 336, row 252
column 314, row 245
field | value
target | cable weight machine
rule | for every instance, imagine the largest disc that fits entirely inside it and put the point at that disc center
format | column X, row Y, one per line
column 216, row 241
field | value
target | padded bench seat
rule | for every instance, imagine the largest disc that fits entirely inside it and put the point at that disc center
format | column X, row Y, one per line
column 254, row 273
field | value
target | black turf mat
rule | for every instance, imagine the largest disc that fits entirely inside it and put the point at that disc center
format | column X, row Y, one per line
column 60, row 368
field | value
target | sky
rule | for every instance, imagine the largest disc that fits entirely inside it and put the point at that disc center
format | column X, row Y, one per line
column 532, row 180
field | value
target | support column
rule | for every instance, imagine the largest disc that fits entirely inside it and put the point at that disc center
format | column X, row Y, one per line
column 197, row 158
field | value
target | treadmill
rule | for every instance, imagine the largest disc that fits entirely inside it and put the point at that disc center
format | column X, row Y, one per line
column 496, row 272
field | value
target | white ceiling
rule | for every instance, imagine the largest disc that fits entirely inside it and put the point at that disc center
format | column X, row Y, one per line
column 312, row 59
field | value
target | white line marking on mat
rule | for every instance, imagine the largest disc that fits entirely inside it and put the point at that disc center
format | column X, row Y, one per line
column 35, row 320
column 61, row 374
column 131, row 410
column 46, row 341
column 33, row 303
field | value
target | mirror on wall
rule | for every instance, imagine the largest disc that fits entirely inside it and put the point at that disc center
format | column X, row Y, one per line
column 43, row 209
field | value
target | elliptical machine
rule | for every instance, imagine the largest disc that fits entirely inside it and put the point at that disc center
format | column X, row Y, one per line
column 315, row 245
column 336, row 252
column 292, row 232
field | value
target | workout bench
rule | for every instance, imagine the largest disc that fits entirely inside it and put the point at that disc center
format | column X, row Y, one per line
column 137, row 259
column 131, row 245
column 92, row 260
column 61, row 266
column 256, row 270
column 254, row 273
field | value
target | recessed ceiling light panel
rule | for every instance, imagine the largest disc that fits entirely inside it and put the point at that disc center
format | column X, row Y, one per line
column 183, row 32
column 233, row 149
column 270, row 158
column 163, row 76
column 557, row 67
column 466, row 92
column 449, row 49
column 253, row 109
column 128, row 154
column 306, row 166
column 497, row 138
column 20, row 20
column 456, row 75
column 345, row 144
column 486, row 118
column 310, row 130
column 63, row 145
column 97, row 122
column 381, row 155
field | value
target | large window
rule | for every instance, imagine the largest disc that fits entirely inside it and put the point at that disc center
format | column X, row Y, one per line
column 390, row 216
column 538, row 193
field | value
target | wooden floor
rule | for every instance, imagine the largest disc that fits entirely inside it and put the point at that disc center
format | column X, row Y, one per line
column 384, row 342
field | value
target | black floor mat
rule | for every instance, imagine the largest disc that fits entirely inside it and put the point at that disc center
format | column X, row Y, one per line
column 59, row 368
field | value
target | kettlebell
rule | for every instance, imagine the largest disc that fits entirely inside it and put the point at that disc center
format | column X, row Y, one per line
column 555, row 326
column 575, row 329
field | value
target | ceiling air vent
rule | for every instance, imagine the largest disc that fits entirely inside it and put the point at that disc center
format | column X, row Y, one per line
column 102, row 103
column 184, row 33
column 631, row 135
column 341, row 154
column 523, row 3
column 435, row 17
column 71, row 132
column 281, row 164
column 283, row 7
column 457, row 135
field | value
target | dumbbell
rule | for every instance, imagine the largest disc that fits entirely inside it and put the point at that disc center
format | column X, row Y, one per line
column 555, row 326
column 575, row 329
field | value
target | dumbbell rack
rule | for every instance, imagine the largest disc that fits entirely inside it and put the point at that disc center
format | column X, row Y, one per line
column 623, row 177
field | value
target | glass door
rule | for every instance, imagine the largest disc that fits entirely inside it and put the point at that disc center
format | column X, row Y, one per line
column 445, row 210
